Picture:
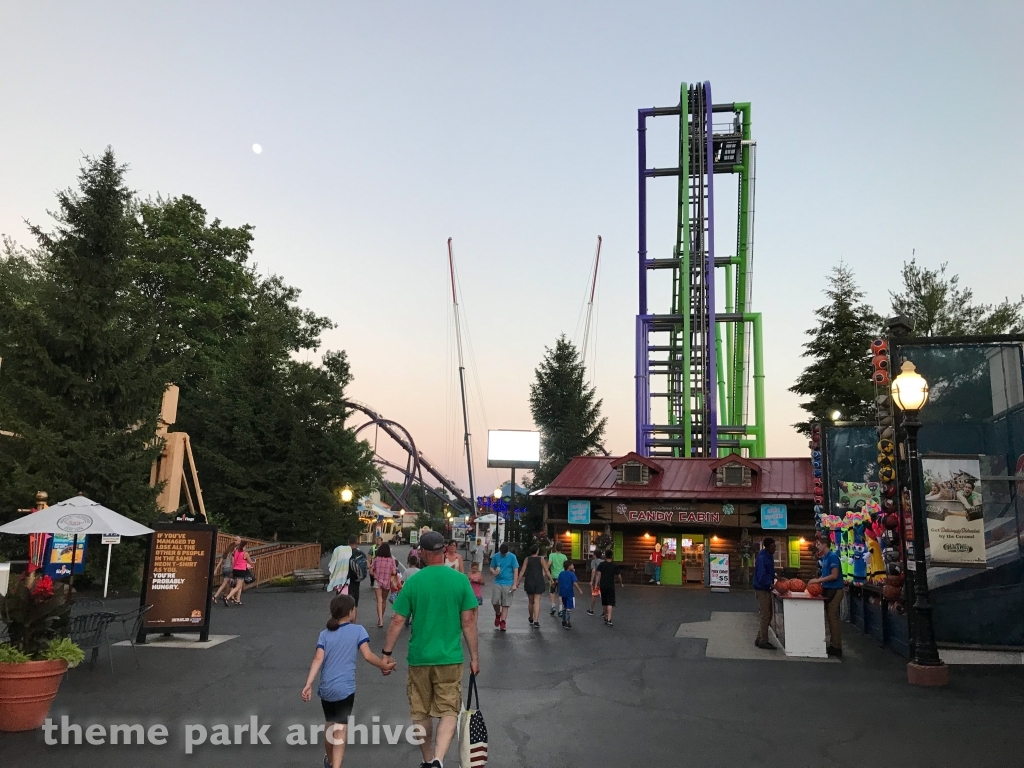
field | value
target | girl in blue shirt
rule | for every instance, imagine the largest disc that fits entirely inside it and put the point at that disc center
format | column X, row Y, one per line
column 335, row 660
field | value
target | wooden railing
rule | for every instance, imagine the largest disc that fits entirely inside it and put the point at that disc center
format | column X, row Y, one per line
column 274, row 559
column 283, row 562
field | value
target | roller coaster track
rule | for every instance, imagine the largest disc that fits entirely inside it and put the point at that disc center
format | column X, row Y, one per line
column 415, row 466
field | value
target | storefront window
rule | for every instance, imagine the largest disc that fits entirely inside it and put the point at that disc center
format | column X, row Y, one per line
column 669, row 549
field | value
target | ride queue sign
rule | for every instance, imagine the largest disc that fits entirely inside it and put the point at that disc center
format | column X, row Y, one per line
column 178, row 581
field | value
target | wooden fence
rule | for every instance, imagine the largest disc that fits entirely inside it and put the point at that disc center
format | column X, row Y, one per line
column 275, row 559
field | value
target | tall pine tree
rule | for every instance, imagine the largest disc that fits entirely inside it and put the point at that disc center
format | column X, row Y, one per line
column 839, row 378
column 80, row 384
column 565, row 410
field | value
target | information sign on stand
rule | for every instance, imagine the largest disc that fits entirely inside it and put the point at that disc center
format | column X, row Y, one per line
column 720, row 572
column 178, row 581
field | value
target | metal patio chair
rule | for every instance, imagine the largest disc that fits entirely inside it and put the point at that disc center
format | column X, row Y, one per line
column 89, row 632
column 131, row 623
column 83, row 605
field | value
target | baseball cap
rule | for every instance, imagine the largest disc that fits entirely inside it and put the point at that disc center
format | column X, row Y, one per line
column 431, row 541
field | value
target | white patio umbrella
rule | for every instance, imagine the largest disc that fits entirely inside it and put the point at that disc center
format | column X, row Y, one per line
column 77, row 516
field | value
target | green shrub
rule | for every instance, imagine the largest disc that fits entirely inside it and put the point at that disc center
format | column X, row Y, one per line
column 65, row 650
column 11, row 655
column 282, row 581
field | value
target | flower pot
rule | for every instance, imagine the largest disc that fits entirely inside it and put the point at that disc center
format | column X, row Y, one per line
column 26, row 692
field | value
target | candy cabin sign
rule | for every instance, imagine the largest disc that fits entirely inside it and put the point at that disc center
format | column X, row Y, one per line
column 668, row 514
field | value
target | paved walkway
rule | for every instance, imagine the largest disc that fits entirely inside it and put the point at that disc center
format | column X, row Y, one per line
column 631, row 695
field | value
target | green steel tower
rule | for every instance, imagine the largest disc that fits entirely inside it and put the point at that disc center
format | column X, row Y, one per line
column 695, row 362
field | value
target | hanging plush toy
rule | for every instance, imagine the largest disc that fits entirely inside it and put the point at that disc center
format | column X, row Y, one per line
column 860, row 554
column 875, row 563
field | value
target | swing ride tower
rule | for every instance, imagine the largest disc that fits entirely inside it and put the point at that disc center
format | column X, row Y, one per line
column 693, row 361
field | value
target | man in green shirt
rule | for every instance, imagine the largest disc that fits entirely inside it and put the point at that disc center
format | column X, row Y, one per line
column 555, row 562
column 441, row 603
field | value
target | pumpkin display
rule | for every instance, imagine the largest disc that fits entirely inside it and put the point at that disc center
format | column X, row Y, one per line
column 782, row 586
column 814, row 590
column 797, row 585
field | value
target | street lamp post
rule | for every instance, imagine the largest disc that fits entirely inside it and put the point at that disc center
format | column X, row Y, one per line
column 910, row 393
column 497, row 516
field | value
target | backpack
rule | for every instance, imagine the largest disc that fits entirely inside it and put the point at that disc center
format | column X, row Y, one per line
column 357, row 567
column 227, row 565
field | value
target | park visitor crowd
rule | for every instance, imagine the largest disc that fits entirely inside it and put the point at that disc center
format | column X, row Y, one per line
column 439, row 599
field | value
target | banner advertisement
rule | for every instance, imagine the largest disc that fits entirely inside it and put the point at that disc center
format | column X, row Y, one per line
column 178, row 578
column 719, row 570
column 58, row 565
column 953, row 511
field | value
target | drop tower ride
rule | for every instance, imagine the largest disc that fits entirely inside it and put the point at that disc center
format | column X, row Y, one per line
column 693, row 362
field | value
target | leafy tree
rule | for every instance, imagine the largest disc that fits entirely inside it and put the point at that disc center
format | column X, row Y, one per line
column 565, row 410
column 125, row 296
column 268, row 431
column 839, row 378
column 940, row 307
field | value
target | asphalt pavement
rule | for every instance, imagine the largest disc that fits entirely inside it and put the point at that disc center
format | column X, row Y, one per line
column 630, row 695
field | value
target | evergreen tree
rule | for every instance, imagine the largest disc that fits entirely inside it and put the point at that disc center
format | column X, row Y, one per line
column 124, row 297
column 565, row 410
column 940, row 307
column 839, row 378
column 80, row 386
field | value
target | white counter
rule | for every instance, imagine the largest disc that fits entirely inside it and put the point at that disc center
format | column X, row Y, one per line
column 798, row 624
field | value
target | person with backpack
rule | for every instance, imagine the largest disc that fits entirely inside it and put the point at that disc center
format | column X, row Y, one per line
column 338, row 568
column 358, row 569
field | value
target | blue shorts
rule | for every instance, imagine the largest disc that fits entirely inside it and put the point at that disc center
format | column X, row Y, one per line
column 568, row 602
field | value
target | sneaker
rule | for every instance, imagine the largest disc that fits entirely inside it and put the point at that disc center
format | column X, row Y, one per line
column 553, row 610
column 502, row 625
column 437, row 764
column 563, row 622
column 327, row 762
column 765, row 646
column 608, row 624
column 561, row 614
column 497, row 621
column 658, row 583
column 568, row 625
column 590, row 612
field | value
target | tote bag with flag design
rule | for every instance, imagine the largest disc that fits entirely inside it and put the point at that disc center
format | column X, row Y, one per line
column 472, row 731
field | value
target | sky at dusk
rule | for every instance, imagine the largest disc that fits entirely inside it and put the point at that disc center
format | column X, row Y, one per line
column 387, row 128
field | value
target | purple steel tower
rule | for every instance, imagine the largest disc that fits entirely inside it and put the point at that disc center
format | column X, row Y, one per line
column 691, row 395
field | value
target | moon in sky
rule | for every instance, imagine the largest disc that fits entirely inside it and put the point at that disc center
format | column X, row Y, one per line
column 257, row 148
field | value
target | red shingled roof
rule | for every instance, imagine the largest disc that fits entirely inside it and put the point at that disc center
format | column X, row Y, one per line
column 683, row 479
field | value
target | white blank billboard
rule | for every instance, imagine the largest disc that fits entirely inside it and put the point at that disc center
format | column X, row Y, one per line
column 513, row 449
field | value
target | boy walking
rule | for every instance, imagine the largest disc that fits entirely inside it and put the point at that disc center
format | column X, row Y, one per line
column 606, row 580
column 595, row 589
column 567, row 581
column 555, row 562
